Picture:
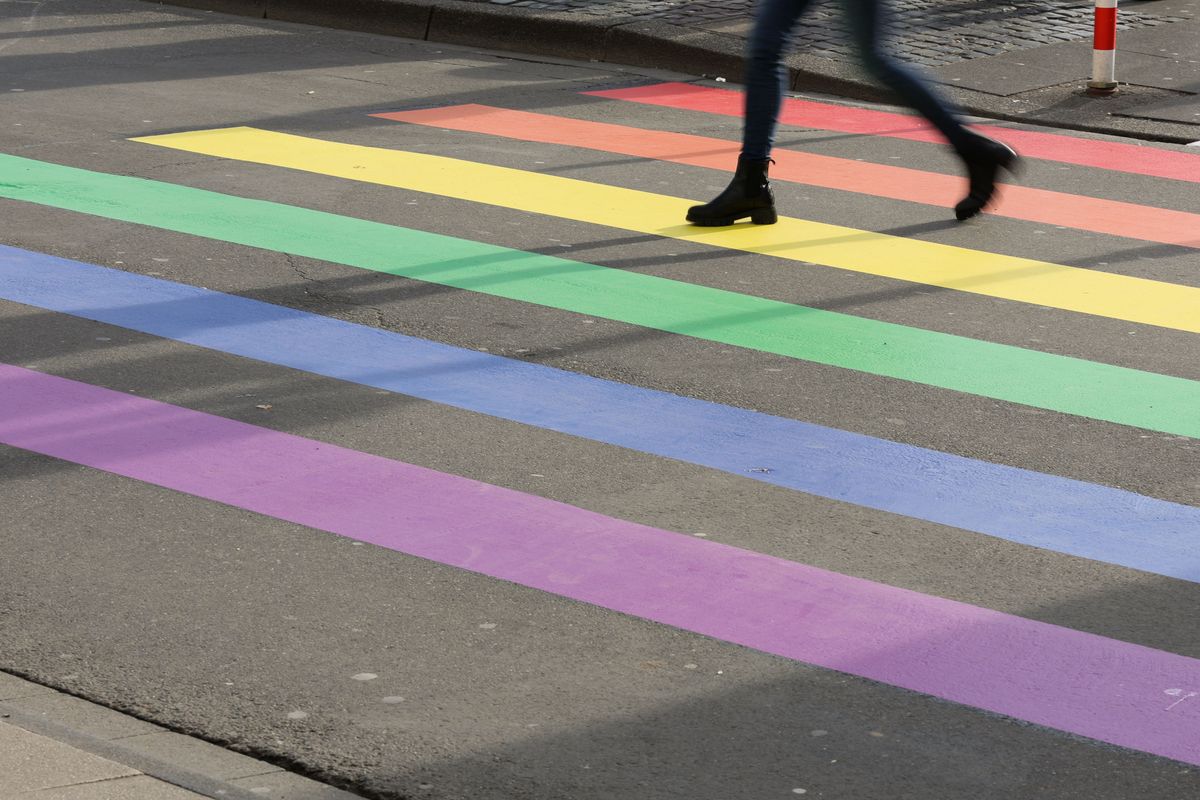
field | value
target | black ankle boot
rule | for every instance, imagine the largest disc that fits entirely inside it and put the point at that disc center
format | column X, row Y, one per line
column 984, row 158
column 747, row 195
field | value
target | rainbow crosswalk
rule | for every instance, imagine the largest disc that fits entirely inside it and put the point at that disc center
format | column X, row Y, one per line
column 1073, row 681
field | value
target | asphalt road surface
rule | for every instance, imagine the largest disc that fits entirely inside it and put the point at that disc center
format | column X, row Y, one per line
column 429, row 454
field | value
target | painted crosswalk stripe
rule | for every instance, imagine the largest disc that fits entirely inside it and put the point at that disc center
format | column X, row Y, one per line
column 994, row 275
column 1115, row 394
column 1062, row 678
column 1137, row 159
column 1030, row 508
column 1097, row 215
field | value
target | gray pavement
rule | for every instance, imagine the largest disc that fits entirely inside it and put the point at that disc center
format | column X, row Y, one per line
column 1027, row 61
column 397, row 677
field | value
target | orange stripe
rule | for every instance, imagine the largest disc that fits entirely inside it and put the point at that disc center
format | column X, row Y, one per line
column 897, row 183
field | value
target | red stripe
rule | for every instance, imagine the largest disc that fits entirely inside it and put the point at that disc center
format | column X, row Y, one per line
column 1106, row 29
column 881, row 180
column 1117, row 156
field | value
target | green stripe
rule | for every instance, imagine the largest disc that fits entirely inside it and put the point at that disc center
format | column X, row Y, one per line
column 1058, row 383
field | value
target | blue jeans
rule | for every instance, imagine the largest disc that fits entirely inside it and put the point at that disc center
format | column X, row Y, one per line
column 766, row 76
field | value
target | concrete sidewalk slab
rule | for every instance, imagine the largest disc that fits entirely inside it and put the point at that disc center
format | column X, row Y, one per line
column 57, row 747
column 29, row 762
column 1182, row 109
column 133, row 787
column 1014, row 73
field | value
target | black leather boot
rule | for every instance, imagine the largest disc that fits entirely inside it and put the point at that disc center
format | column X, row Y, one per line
column 747, row 195
column 984, row 158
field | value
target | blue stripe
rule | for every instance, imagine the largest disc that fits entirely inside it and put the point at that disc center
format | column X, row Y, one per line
column 1031, row 508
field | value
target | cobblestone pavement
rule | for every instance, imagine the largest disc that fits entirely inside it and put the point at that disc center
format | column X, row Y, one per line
column 929, row 32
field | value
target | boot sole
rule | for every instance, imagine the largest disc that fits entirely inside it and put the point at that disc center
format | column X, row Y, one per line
column 762, row 216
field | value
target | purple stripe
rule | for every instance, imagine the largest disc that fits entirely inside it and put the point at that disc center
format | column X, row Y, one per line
column 1078, row 682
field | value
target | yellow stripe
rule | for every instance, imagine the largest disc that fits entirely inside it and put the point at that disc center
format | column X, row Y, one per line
column 1026, row 280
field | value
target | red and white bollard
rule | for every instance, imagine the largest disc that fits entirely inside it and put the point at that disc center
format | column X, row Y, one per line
column 1104, row 49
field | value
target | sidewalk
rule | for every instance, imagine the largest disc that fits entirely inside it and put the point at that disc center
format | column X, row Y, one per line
column 1026, row 62
column 57, row 747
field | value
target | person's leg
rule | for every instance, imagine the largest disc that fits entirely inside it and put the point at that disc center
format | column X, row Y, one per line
column 749, row 193
column 766, row 75
column 983, row 157
column 867, row 22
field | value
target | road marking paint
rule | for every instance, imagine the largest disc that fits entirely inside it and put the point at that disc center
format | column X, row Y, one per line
column 1006, row 277
column 1062, row 678
column 1098, row 153
column 878, row 180
column 1115, row 394
column 1030, row 508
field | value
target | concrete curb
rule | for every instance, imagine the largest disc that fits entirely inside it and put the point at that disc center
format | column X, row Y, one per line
column 176, row 759
column 626, row 41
